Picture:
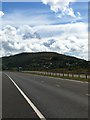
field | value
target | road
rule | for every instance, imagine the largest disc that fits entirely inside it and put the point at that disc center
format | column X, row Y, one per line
column 0, row 95
column 53, row 97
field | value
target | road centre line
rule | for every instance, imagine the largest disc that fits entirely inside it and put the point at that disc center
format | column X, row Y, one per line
column 27, row 99
column 57, row 85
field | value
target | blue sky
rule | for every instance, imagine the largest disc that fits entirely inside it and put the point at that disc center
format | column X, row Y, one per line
column 36, row 26
column 36, row 0
column 30, row 9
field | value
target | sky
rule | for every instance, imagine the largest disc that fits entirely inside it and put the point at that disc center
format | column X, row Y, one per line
column 38, row 0
column 49, row 25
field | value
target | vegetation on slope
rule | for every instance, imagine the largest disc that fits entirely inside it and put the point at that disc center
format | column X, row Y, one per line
column 45, row 61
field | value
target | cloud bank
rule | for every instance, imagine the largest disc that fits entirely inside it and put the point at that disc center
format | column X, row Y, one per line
column 1, row 14
column 70, row 39
column 62, row 7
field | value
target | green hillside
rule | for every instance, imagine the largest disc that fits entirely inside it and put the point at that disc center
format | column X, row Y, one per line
column 45, row 61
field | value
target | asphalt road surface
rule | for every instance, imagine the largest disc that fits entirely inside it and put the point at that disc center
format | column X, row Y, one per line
column 0, row 95
column 53, row 97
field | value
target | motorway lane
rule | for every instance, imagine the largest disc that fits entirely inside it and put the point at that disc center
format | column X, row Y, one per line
column 0, row 95
column 55, row 98
column 13, row 104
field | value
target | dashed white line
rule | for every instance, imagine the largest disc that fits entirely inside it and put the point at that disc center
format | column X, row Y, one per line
column 88, row 95
column 57, row 85
column 28, row 100
column 42, row 81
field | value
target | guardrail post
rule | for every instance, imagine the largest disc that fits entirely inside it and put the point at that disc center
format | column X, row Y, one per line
column 72, row 75
column 86, row 76
column 67, row 74
column 63, row 74
column 79, row 75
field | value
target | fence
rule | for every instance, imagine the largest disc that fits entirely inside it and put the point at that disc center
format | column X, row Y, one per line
column 86, row 76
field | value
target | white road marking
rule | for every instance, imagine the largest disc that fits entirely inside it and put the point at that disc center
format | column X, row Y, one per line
column 27, row 99
column 88, row 95
column 76, row 81
column 57, row 85
column 42, row 81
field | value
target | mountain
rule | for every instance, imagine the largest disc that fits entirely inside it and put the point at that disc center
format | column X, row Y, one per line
column 49, row 61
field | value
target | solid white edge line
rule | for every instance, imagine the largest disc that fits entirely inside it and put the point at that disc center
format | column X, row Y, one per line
column 28, row 100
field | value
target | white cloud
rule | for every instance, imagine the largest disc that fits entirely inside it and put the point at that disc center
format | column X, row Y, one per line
column 62, row 7
column 1, row 13
column 71, row 39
